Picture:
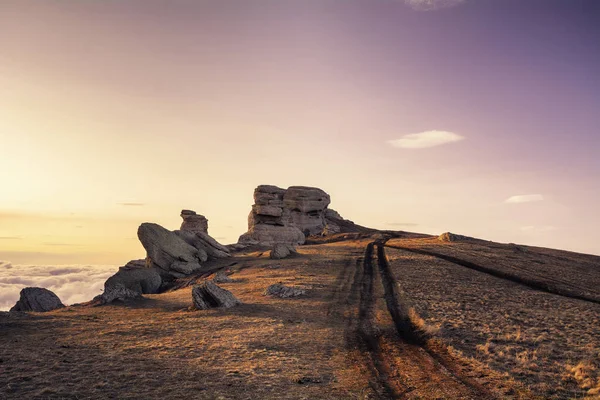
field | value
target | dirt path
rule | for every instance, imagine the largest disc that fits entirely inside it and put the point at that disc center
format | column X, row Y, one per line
column 400, row 363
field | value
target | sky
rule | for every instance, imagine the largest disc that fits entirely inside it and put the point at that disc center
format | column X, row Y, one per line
column 477, row 117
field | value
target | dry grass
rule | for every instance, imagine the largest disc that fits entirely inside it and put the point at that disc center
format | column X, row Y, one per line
column 158, row 348
column 498, row 333
column 531, row 336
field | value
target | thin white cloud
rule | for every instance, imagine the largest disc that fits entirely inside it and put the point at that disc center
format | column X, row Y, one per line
column 524, row 198
column 71, row 283
column 425, row 139
column 432, row 5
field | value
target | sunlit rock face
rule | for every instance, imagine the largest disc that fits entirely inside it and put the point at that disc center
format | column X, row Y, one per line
column 288, row 215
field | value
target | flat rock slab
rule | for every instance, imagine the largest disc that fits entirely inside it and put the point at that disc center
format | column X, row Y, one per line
column 209, row 295
column 282, row 291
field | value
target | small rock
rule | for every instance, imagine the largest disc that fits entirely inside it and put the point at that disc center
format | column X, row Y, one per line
column 281, row 250
column 209, row 295
column 282, row 291
column 37, row 300
column 222, row 277
column 452, row 237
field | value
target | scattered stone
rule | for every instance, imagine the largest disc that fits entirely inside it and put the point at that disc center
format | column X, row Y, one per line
column 281, row 250
column 209, row 295
column 222, row 277
column 279, row 290
column 193, row 222
column 37, row 300
column 452, row 237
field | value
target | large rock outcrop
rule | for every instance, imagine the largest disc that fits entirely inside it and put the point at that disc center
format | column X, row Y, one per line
column 37, row 300
column 290, row 215
column 170, row 255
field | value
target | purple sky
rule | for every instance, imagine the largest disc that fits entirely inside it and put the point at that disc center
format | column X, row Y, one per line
column 190, row 104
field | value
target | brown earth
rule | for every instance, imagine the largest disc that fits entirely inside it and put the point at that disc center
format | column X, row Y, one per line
column 376, row 323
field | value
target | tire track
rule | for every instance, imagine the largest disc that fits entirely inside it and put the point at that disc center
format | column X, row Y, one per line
column 367, row 334
column 397, row 360
column 525, row 281
column 435, row 366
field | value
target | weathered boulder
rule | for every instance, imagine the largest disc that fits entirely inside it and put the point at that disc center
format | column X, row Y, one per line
column 282, row 291
column 117, row 292
column 281, row 250
column 131, row 281
column 193, row 222
column 209, row 295
column 135, row 275
column 165, row 248
column 37, row 300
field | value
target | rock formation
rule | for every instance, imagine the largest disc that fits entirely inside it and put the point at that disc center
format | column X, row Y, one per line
column 193, row 222
column 282, row 291
column 288, row 216
column 169, row 256
column 37, row 300
column 209, row 295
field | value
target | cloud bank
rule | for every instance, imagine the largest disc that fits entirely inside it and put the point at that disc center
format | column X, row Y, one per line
column 72, row 283
column 425, row 139
column 432, row 5
column 524, row 198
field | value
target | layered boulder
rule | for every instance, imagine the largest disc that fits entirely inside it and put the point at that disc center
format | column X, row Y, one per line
column 37, row 300
column 193, row 222
column 288, row 216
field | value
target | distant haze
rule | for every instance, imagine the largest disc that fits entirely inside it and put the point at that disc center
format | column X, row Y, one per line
column 476, row 117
